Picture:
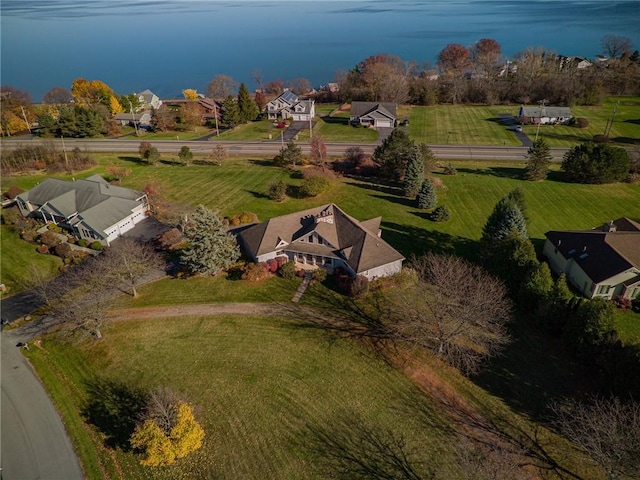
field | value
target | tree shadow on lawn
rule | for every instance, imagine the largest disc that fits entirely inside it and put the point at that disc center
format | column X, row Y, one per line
column 502, row 172
column 377, row 187
column 114, row 408
column 405, row 201
column 629, row 140
column 533, row 370
column 409, row 240
column 336, row 120
column 261, row 162
column 137, row 160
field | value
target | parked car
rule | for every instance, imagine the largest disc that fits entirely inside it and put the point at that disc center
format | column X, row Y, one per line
column 518, row 128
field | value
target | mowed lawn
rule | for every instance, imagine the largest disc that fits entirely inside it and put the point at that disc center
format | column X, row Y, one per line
column 259, row 386
column 459, row 125
column 18, row 259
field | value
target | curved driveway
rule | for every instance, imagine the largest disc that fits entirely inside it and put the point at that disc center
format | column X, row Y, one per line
column 35, row 444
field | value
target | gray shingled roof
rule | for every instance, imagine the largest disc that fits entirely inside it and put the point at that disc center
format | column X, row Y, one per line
column 554, row 112
column 360, row 109
column 354, row 241
column 98, row 203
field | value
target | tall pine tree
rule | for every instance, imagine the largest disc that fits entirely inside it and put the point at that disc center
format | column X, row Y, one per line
column 539, row 156
column 427, row 197
column 413, row 174
column 248, row 110
column 230, row 112
column 210, row 248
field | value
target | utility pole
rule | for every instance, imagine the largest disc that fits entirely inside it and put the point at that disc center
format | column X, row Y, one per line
column 24, row 115
column 609, row 125
column 215, row 115
column 540, row 117
column 310, row 122
column 133, row 118
column 64, row 150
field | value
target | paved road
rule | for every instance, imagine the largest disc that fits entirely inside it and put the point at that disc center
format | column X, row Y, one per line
column 34, row 442
column 461, row 152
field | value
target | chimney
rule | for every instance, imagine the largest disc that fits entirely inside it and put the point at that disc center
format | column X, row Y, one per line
column 609, row 227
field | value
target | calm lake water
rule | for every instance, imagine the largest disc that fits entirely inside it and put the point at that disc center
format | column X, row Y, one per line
column 169, row 45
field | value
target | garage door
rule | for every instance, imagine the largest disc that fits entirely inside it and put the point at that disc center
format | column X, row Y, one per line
column 383, row 123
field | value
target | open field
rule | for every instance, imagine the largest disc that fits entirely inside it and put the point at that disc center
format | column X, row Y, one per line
column 259, row 385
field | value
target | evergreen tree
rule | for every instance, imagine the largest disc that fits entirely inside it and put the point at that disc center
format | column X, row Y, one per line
column 210, row 247
column 427, row 197
column 392, row 155
column 185, row 155
column 506, row 217
column 414, row 174
column 289, row 155
column 539, row 156
column 247, row 108
column 535, row 288
column 429, row 158
column 596, row 163
column 230, row 112
column 558, row 306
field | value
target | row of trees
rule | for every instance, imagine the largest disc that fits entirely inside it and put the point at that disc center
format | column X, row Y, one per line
column 482, row 74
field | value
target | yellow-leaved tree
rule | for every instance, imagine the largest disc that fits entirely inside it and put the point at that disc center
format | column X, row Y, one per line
column 169, row 430
column 114, row 105
column 190, row 93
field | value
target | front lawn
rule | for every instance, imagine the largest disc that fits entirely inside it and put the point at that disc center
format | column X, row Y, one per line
column 260, row 385
column 18, row 258
column 628, row 326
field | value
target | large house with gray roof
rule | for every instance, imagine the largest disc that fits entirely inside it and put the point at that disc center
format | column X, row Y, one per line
column 288, row 105
column 603, row 262
column 373, row 114
column 90, row 208
column 324, row 237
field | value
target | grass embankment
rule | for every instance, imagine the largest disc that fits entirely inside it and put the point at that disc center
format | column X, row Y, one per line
column 18, row 257
column 258, row 384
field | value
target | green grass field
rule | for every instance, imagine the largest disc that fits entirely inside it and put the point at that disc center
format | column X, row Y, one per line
column 258, row 385
column 17, row 257
column 628, row 326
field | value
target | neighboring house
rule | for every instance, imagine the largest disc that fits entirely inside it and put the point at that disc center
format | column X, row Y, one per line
column 373, row 114
column 90, row 208
column 149, row 100
column 603, row 262
column 578, row 63
column 209, row 108
column 545, row 115
column 288, row 105
column 142, row 119
column 325, row 237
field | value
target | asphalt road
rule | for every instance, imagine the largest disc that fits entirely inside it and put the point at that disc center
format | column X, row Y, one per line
column 34, row 443
column 461, row 152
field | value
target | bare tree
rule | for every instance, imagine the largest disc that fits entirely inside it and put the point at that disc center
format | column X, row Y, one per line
column 616, row 46
column 256, row 75
column 607, row 430
column 130, row 261
column 300, row 85
column 222, row 86
column 452, row 308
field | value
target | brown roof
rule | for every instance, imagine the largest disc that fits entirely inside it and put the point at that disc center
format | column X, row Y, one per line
column 601, row 254
column 356, row 242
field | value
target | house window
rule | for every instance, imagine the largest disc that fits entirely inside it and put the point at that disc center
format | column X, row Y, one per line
column 310, row 239
column 603, row 290
column 635, row 293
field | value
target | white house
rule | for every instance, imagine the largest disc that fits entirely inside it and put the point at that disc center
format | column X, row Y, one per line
column 148, row 99
column 90, row 208
column 373, row 114
column 603, row 262
column 324, row 237
column 544, row 115
column 288, row 105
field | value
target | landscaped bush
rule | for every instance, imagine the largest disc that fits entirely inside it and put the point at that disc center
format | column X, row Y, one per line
column 359, row 286
column 633, row 178
column 169, row 240
column 441, row 214
column 10, row 216
column 96, row 246
column 450, row 170
column 49, row 238
column 600, row 139
column 42, row 249
column 254, row 272
column 288, row 270
column 582, row 122
column 54, row 228
column 242, row 218
column 314, row 186
column 13, row 191
column 62, row 250
column 277, row 191
column 83, row 242
column 319, row 274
